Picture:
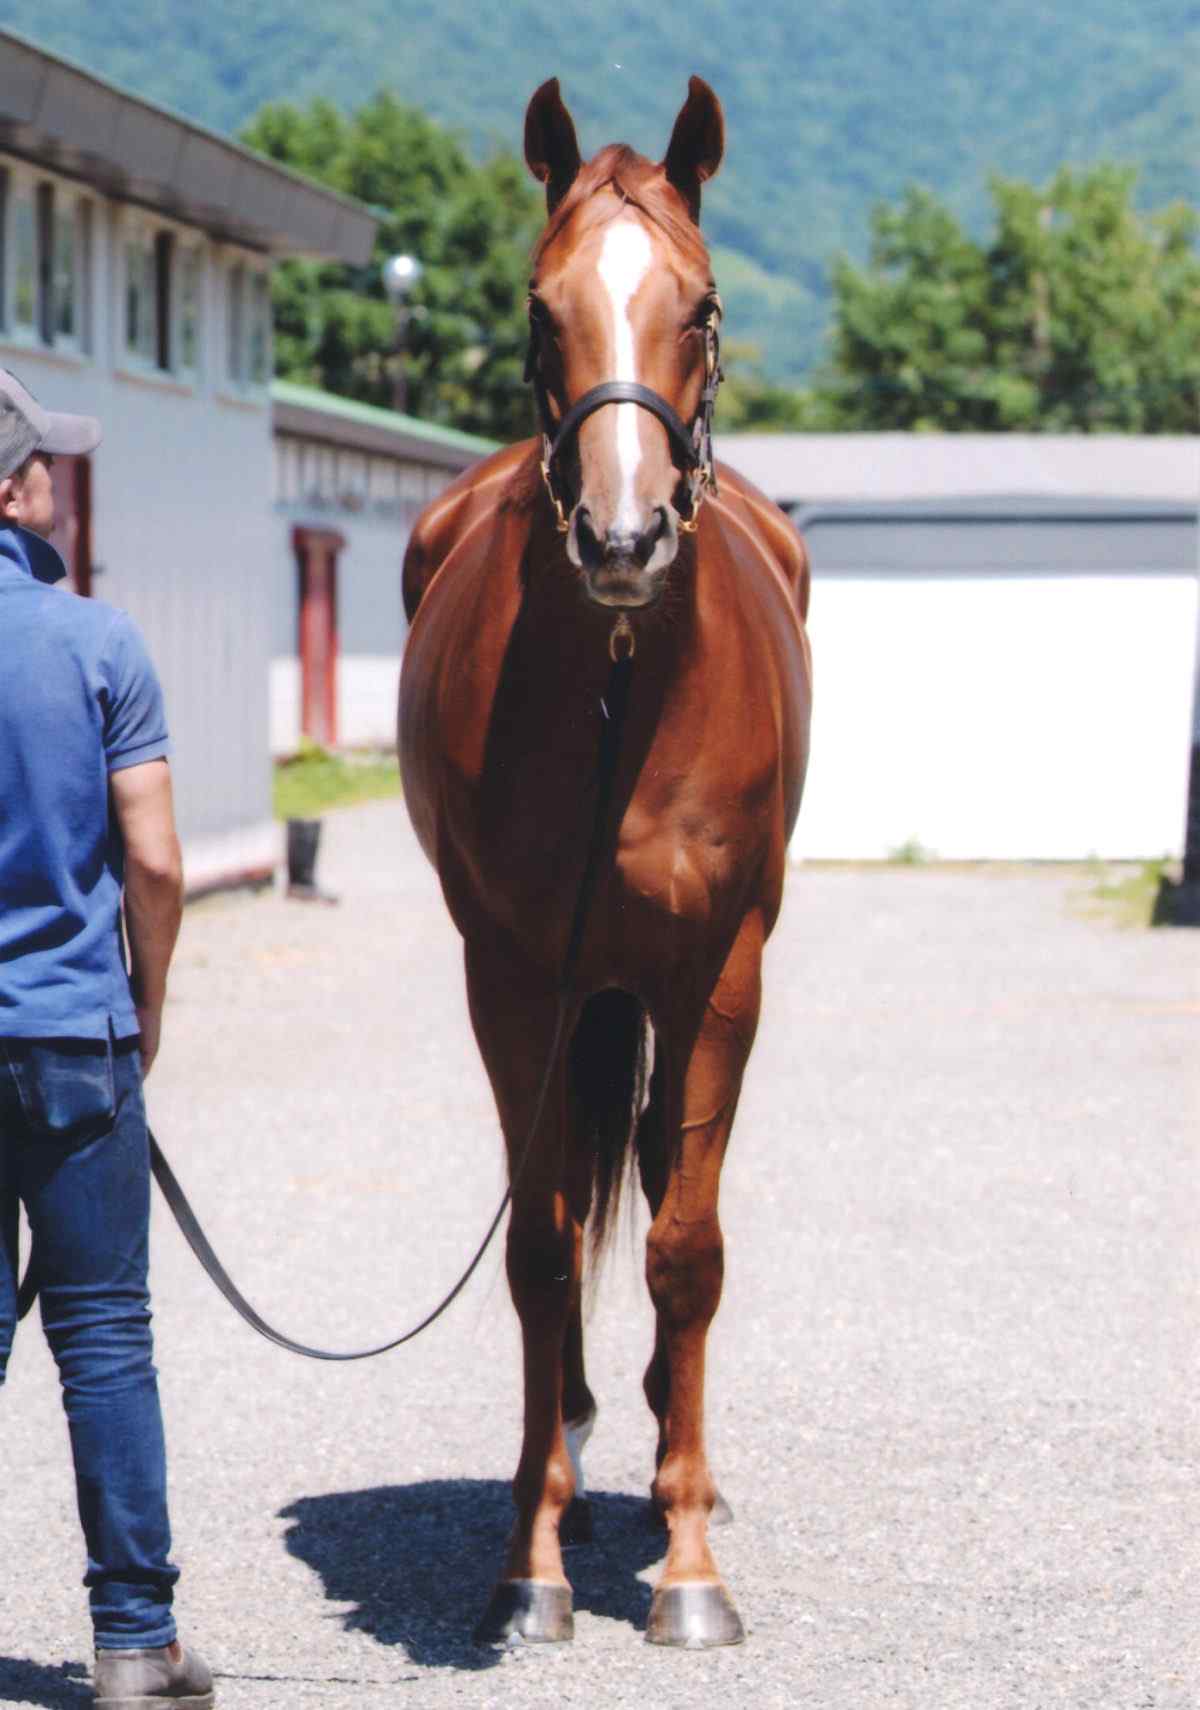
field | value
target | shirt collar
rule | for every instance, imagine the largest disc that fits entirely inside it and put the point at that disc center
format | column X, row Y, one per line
column 30, row 555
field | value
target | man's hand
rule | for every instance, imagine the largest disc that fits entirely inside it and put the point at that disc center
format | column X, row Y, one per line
column 141, row 798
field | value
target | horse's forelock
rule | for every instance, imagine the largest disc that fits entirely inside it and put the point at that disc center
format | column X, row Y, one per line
column 638, row 182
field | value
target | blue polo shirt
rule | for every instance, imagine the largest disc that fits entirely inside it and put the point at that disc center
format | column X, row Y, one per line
column 78, row 699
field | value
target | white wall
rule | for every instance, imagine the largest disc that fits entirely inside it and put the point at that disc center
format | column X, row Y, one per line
column 1004, row 717
column 184, row 539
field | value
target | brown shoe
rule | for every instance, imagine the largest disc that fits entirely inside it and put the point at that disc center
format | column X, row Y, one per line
column 149, row 1680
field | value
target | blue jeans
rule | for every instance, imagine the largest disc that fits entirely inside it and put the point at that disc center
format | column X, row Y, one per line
column 74, row 1150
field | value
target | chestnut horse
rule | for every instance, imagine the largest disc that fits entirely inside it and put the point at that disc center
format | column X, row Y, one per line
column 518, row 581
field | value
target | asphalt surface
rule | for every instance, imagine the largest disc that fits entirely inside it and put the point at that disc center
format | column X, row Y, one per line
column 952, row 1381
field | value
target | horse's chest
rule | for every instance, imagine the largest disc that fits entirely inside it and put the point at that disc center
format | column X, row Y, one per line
column 684, row 858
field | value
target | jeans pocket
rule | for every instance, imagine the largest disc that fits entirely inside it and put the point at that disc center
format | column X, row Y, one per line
column 66, row 1087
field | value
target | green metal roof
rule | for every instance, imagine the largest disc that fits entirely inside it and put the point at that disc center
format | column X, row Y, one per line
column 409, row 428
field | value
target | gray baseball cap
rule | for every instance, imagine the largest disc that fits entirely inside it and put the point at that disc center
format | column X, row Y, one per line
column 25, row 427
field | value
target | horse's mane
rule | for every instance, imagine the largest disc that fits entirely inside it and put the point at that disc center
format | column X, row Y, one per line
column 641, row 184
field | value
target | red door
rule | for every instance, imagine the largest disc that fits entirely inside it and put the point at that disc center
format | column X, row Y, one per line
column 72, row 479
column 316, row 562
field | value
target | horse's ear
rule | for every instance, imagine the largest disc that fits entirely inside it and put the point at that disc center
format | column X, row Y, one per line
column 697, row 143
column 551, row 149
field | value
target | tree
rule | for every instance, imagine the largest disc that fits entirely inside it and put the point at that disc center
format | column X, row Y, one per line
column 472, row 227
column 750, row 402
column 1080, row 315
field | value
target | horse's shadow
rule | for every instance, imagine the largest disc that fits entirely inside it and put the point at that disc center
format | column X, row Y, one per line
column 418, row 1561
column 62, row 1688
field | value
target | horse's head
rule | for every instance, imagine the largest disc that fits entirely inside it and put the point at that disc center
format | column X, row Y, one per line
column 622, row 291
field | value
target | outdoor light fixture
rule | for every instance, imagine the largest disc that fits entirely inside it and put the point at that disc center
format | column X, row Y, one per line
column 401, row 273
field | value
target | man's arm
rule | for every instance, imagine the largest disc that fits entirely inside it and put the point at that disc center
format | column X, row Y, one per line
column 153, row 888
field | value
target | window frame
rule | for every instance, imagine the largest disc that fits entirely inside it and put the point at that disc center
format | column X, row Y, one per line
column 165, row 250
column 247, row 326
column 36, row 208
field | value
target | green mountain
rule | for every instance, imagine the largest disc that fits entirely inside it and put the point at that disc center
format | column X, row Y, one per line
column 831, row 106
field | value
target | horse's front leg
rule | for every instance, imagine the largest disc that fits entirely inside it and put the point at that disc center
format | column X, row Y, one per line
column 685, row 1269
column 515, row 1023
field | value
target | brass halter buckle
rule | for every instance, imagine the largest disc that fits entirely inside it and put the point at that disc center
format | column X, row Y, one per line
column 621, row 643
column 704, row 480
column 562, row 521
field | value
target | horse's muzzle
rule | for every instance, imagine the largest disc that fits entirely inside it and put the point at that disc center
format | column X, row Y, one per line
column 623, row 568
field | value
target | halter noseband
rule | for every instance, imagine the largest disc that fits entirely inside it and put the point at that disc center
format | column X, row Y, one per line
column 691, row 448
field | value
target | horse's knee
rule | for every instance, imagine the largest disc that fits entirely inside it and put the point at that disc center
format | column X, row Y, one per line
column 685, row 1267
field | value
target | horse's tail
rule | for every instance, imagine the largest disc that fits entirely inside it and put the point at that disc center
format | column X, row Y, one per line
column 608, row 1061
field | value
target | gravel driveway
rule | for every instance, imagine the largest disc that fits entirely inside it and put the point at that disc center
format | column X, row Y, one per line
column 950, row 1379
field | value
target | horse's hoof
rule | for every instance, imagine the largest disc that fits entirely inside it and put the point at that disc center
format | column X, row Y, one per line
column 575, row 1527
column 695, row 1617
column 722, row 1514
column 527, row 1612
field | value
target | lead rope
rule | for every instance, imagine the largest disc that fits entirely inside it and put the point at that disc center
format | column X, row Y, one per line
column 613, row 708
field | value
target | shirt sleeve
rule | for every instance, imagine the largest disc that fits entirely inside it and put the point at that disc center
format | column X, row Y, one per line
column 135, row 721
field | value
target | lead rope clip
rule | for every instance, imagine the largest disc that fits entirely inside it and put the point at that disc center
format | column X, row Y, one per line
column 621, row 643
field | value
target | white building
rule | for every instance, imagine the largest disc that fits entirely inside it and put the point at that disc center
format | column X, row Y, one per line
column 135, row 255
column 1004, row 633
column 349, row 481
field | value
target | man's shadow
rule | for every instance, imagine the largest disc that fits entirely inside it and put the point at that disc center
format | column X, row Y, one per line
column 63, row 1688
column 418, row 1561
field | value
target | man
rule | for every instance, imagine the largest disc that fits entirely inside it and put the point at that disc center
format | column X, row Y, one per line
column 85, row 807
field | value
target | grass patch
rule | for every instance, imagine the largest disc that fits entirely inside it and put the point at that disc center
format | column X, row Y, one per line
column 314, row 780
column 911, row 853
column 1127, row 895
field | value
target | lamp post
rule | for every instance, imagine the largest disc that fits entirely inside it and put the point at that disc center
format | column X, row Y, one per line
column 401, row 273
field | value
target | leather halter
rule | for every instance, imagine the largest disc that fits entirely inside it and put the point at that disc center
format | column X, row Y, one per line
column 691, row 449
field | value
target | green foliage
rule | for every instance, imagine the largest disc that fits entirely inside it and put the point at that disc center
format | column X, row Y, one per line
column 750, row 402
column 830, row 108
column 1079, row 315
column 1128, row 895
column 471, row 227
column 911, row 853
column 314, row 780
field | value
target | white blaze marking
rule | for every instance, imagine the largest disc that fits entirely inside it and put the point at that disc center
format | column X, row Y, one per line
column 624, row 261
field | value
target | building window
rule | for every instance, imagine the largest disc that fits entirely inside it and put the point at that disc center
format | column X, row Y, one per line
column 63, row 293
column 260, row 330
column 45, row 263
column 164, row 308
column 235, row 325
column 247, row 327
column 25, row 264
column 164, row 256
column 141, row 298
column 191, row 276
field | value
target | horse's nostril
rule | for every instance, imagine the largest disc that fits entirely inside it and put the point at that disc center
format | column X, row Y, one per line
column 590, row 548
column 649, row 538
